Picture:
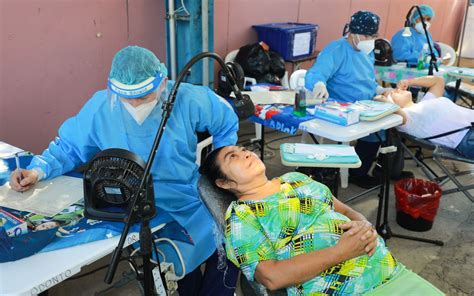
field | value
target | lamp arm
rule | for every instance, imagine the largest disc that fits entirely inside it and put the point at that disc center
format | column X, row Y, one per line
column 430, row 46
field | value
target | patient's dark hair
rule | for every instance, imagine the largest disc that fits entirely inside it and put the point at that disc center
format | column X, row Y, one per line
column 211, row 168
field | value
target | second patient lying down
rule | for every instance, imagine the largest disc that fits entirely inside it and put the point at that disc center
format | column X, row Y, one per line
column 290, row 232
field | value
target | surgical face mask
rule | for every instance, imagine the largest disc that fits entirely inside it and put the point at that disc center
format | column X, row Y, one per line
column 365, row 46
column 141, row 112
column 419, row 27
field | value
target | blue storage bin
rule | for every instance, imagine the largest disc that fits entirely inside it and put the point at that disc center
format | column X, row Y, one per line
column 294, row 41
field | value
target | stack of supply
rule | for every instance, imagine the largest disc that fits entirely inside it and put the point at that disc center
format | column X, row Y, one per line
column 338, row 113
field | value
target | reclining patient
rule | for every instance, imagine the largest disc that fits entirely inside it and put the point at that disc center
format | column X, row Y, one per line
column 434, row 115
column 290, row 232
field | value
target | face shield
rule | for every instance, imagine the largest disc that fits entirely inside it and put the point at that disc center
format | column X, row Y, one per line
column 138, row 100
column 118, row 91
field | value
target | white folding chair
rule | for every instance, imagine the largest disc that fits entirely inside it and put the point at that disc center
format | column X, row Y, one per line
column 297, row 78
column 447, row 53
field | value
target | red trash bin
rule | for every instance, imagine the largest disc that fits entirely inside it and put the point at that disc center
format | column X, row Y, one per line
column 417, row 202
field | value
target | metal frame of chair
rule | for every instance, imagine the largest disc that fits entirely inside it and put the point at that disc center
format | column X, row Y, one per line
column 462, row 91
column 440, row 153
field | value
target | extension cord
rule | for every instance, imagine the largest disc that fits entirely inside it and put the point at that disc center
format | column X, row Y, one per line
column 170, row 276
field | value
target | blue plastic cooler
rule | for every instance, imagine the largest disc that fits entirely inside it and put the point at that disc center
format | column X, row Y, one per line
column 294, row 41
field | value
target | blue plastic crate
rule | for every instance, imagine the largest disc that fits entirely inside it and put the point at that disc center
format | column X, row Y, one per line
column 294, row 41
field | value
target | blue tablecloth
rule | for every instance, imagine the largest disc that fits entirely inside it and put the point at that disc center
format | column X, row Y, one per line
column 82, row 231
column 285, row 121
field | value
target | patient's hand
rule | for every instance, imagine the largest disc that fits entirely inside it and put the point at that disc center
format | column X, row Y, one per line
column 403, row 84
column 364, row 231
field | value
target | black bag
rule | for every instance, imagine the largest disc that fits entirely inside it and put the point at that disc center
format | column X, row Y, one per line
column 254, row 60
column 264, row 66
column 277, row 64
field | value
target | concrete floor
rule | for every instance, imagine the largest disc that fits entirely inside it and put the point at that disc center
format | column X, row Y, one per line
column 450, row 268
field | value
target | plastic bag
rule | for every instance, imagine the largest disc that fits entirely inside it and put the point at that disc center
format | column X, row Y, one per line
column 254, row 60
column 277, row 64
column 417, row 203
column 259, row 62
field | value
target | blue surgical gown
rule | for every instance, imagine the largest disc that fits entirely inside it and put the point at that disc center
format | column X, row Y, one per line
column 100, row 125
column 409, row 48
column 349, row 74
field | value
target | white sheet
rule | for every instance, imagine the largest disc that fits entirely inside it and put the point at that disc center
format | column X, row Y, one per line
column 46, row 198
column 327, row 150
column 7, row 150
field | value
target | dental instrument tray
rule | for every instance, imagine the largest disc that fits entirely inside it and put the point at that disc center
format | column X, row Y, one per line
column 319, row 155
column 350, row 113
column 373, row 110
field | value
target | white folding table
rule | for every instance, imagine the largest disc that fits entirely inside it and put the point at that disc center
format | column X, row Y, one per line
column 346, row 134
column 35, row 274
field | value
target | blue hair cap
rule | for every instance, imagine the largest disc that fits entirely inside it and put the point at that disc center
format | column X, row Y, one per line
column 134, row 64
column 364, row 22
column 426, row 10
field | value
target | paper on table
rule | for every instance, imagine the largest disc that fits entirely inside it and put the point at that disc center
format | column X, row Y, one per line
column 339, row 150
column 46, row 198
column 7, row 150
column 271, row 97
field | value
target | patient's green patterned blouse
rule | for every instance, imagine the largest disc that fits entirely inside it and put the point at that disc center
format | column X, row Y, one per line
column 299, row 219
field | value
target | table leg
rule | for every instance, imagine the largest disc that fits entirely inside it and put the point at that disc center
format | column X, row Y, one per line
column 258, row 133
column 306, row 138
column 344, row 174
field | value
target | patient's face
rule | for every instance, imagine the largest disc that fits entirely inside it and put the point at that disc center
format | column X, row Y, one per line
column 240, row 164
column 401, row 97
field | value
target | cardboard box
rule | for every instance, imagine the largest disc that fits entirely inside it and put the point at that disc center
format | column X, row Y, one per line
column 13, row 225
column 338, row 113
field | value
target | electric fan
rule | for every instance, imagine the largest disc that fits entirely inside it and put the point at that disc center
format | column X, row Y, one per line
column 383, row 53
column 110, row 180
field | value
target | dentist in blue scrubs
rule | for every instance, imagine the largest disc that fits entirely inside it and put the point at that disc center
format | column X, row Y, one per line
column 408, row 49
column 344, row 71
column 127, row 115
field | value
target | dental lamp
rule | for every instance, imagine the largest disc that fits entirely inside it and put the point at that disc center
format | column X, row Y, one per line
column 407, row 33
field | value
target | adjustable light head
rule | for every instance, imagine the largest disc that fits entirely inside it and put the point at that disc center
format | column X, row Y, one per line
column 407, row 31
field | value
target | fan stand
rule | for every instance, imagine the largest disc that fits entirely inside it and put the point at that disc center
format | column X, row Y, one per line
column 146, row 213
column 142, row 210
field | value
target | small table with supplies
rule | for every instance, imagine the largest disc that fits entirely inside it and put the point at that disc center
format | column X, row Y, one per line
column 397, row 72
